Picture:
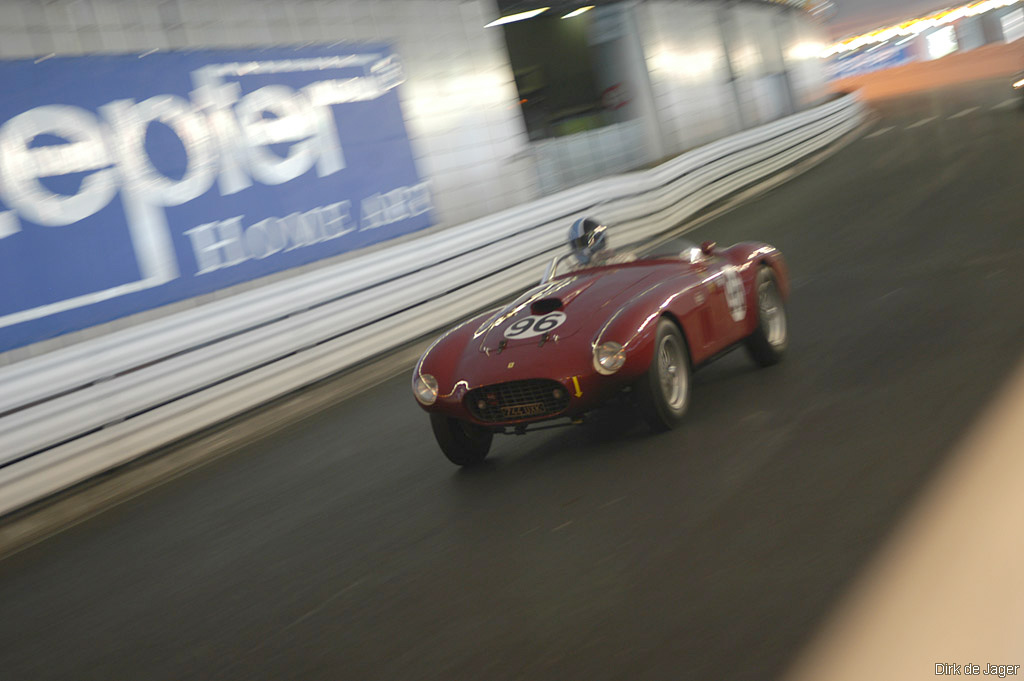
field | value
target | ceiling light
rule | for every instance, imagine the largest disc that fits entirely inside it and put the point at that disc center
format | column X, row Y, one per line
column 577, row 12
column 517, row 17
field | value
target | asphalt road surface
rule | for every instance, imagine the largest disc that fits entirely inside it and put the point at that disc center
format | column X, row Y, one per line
column 347, row 547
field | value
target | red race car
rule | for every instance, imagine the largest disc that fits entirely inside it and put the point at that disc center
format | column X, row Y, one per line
column 613, row 323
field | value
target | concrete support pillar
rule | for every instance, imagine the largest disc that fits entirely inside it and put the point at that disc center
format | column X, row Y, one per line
column 620, row 62
column 727, row 29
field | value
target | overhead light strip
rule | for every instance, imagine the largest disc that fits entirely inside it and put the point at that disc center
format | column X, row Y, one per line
column 521, row 16
column 915, row 27
column 577, row 12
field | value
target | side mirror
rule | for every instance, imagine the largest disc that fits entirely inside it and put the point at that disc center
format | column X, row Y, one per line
column 708, row 247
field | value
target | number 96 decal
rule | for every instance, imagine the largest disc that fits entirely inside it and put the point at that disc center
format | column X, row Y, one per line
column 535, row 325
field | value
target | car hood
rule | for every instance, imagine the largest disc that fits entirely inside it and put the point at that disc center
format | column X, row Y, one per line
column 585, row 300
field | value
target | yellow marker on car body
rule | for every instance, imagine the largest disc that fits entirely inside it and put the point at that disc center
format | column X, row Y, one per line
column 576, row 382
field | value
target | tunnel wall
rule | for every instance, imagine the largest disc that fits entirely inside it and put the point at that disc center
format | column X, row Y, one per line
column 717, row 68
column 458, row 101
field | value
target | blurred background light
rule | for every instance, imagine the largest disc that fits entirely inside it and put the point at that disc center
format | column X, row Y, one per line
column 915, row 27
column 577, row 12
column 521, row 16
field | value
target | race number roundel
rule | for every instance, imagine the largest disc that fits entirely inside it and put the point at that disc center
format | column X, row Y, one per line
column 734, row 294
column 535, row 325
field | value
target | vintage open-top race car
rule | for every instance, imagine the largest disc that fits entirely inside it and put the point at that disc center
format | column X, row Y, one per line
column 612, row 323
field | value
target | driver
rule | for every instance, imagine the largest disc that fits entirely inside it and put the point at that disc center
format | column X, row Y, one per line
column 588, row 242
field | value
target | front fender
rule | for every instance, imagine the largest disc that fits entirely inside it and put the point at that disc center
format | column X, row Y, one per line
column 635, row 324
column 441, row 359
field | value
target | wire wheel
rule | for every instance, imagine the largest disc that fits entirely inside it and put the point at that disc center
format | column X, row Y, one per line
column 772, row 314
column 663, row 391
column 767, row 344
column 674, row 378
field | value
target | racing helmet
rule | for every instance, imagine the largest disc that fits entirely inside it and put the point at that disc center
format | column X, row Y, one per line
column 586, row 237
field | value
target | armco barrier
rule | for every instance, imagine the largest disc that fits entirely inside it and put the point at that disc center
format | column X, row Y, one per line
column 73, row 413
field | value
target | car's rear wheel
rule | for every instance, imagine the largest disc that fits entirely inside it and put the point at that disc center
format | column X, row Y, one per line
column 767, row 344
column 663, row 393
column 465, row 444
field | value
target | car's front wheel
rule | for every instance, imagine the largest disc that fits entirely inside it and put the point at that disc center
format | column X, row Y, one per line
column 768, row 343
column 663, row 393
column 465, row 444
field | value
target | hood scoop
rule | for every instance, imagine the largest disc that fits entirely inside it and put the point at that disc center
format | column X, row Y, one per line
column 545, row 306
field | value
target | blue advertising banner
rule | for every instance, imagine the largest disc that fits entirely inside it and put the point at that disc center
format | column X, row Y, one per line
column 871, row 60
column 129, row 182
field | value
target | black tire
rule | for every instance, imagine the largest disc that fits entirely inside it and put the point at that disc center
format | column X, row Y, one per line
column 767, row 344
column 465, row 444
column 663, row 393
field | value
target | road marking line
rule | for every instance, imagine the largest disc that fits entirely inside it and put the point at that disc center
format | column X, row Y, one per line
column 879, row 133
column 923, row 121
column 565, row 524
column 323, row 604
column 1003, row 105
column 890, row 293
column 964, row 113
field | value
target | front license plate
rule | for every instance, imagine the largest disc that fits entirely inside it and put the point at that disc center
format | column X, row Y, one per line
column 519, row 410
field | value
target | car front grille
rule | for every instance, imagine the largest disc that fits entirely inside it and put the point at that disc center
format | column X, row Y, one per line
column 517, row 400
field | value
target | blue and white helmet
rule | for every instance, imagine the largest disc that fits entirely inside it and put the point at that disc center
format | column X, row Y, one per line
column 586, row 237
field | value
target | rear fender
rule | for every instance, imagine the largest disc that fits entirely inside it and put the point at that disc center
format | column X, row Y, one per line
column 748, row 256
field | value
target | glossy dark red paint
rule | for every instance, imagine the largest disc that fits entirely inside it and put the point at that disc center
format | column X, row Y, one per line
column 621, row 303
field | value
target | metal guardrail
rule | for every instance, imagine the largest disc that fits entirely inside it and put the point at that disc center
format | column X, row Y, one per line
column 73, row 413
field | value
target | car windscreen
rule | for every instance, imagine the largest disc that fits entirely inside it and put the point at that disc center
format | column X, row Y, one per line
column 680, row 248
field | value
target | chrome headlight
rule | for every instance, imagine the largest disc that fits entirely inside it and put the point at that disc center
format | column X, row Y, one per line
column 424, row 387
column 609, row 358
